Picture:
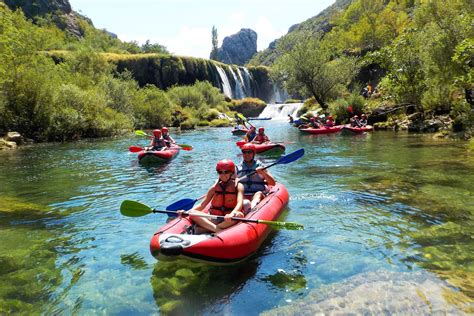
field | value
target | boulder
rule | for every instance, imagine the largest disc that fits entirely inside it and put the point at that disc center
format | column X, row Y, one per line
column 238, row 48
column 14, row 137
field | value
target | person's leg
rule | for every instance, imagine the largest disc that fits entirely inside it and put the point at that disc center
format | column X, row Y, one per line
column 204, row 222
column 257, row 197
column 247, row 206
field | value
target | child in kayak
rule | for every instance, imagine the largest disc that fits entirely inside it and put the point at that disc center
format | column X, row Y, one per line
column 226, row 198
column 261, row 138
column 157, row 142
column 255, row 184
column 166, row 136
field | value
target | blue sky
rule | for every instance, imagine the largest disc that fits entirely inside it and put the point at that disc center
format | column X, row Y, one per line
column 184, row 26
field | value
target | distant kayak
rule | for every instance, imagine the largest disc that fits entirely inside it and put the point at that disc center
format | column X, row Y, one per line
column 239, row 131
column 265, row 148
column 322, row 130
column 158, row 156
column 367, row 128
column 232, row 245
column 259, row 118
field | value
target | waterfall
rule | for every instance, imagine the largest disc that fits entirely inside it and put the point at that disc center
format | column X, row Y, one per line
column 238, row 91
column 247, row 81
column 280, row 111
column 226, row 88
column 279, row 95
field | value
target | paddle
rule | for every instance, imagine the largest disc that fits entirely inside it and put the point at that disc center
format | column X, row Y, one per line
column 182, row 204
column 142, row 133
column 137, row 209
column 243, row 118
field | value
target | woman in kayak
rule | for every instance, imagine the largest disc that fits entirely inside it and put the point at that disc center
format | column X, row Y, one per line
column 166, row 136
column 157, row 141
column 257, row 183
column 363, row 120
column 226, row 198
column 261, row 138
column 251, row 134
column 355, row 121
column 330, row 122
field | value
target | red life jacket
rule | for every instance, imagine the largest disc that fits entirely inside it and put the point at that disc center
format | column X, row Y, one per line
column 261, row 139
column 224, row 199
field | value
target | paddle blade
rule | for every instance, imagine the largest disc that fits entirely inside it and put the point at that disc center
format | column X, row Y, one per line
column 291, row 157
column 141, row 133
column 184, row 204
column 243, row 118
column 135, row 149
column 282, row 225
column 185, row 147
column 134, row 209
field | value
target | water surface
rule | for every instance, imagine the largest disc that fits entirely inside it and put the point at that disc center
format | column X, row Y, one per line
column 382, row 211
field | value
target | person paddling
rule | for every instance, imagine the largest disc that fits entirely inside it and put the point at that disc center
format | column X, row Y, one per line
column 157, row 142
column 251, row 134
column 226, row 199
column 255, row 184
column 166, row 136
column 261, row 138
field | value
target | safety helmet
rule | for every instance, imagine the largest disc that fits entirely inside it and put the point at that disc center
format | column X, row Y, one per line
column 164, row 130
column 249, row 146
column 261, row 129
column 157, row 133
column 225, row 165
column 330, row 117
column 252, row 128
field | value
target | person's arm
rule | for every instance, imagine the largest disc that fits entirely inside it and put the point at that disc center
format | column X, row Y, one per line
column 267, row 176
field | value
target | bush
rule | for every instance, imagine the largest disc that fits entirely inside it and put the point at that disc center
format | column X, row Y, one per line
column 249, row 107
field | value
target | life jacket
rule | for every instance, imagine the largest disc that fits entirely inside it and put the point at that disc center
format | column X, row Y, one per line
column 251, row 136
column 225, row 198
column 158, row 143
column 254, row 183
column 261, row 139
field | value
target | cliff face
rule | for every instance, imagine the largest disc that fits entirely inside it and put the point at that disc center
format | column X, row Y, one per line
column 238, row 48
column 60, row 12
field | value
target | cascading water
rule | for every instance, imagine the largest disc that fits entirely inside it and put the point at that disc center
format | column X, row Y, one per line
column 280, row 111
column 238, row 90
column 226, row 87
column 247, row 81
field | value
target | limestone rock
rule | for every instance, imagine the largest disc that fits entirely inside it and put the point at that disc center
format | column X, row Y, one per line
column 238, row 48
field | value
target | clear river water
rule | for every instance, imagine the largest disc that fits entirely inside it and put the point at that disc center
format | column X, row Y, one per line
column 388, row 228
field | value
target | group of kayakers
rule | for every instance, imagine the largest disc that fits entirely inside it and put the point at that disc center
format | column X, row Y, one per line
column 256, row 138
column 356, row 122
column 161, row 140
column 236, row 192
column 318, row 122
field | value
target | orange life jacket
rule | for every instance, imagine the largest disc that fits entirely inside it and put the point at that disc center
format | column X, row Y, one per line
column 225, row 198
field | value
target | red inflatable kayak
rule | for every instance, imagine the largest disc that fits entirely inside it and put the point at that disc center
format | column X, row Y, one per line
column 158, row 156
column 239, row 131
column 265, row 148
column 367, row 128
column 232, row 245
column 322, row 130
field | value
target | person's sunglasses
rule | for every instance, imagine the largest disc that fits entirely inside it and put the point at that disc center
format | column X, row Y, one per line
column 247, row 152
column 224, row 172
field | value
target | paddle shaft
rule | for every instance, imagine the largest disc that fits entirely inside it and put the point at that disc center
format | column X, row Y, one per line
column 241, row 219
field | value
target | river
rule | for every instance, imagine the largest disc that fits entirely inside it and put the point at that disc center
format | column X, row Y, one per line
column 388, row 228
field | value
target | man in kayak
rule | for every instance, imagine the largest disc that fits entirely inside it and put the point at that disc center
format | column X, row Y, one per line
column 251, row 134
column 226, row 198
column 355, row 121
column 363, row 120
column 257, row 183
column 157, row 141
column 166, row 136
column 261, row 138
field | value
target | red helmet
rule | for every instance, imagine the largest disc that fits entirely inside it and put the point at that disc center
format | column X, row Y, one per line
column 157, row 133
column 330, row 117
column 164, row 130
column 261, row 129
column 225, row 165
column 249, row 146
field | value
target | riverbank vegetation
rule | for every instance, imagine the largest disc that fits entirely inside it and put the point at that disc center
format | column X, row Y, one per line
column 413, row 54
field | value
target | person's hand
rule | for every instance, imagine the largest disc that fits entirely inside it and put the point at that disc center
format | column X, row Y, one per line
column 228, row 217
column 181, row 213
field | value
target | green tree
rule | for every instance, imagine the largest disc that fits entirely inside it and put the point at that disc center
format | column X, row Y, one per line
column 149, row 48
column 215, row 42
column 310, row 68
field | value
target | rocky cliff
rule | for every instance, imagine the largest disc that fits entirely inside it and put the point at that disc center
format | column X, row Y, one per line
column 238, row 48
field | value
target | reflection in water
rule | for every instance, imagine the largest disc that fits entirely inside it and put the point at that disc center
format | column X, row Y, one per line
column 186, row 288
